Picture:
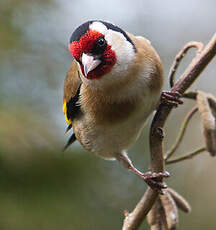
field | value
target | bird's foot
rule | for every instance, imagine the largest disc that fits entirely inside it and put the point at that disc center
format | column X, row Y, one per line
column 170, row 98
column 153, row 180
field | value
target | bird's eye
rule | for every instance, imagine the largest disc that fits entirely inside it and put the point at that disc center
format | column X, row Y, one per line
column 100, row 46
column 101, row 42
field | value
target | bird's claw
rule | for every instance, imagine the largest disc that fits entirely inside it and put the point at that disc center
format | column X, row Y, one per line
column 171, row 98
column 152, row 179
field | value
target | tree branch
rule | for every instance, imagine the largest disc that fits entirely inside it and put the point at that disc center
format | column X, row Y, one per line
column 134, row 219
column 179, row 57
column 186, row 156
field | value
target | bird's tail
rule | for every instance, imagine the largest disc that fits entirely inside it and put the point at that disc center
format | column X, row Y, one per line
column 70, row 141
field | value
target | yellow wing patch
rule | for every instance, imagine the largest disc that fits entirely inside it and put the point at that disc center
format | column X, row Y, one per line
column 65, row 113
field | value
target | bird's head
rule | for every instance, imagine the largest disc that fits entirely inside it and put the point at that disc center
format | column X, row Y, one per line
column 102, row 50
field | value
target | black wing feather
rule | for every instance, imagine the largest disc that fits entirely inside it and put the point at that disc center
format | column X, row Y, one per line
column 73, row 110
column 73, row 106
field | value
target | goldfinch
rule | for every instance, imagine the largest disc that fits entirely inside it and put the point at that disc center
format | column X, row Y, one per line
column 113, row 85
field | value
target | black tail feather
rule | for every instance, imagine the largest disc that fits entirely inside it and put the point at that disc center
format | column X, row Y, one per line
column 70, row 141
column 68, row 128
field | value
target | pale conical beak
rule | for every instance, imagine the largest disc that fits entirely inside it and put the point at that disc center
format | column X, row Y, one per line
column 89, row 63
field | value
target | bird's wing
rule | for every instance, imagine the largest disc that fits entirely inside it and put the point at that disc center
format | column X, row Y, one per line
column 72, row 86
column 71, row 106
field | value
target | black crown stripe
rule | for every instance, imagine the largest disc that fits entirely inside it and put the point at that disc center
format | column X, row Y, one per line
column 82, row 29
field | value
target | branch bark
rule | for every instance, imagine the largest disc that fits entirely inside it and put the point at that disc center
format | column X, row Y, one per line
column 133, row 220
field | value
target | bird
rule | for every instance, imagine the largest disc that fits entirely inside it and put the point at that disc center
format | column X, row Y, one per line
column 113, row 85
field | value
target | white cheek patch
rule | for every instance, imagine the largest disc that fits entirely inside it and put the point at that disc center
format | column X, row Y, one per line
column 124, row 50
column 98, row 26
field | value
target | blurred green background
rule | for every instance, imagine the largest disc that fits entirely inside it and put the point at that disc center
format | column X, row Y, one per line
column 41, row 189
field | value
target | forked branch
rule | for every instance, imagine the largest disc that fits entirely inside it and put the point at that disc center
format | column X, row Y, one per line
column 134, row 219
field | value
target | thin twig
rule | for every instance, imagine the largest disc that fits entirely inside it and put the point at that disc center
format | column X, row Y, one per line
column 211, row 99
column 198, row 64
column 186, row 156
column 208, row 122
column 180, row 201
column 179, row 57
column 181, row 132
